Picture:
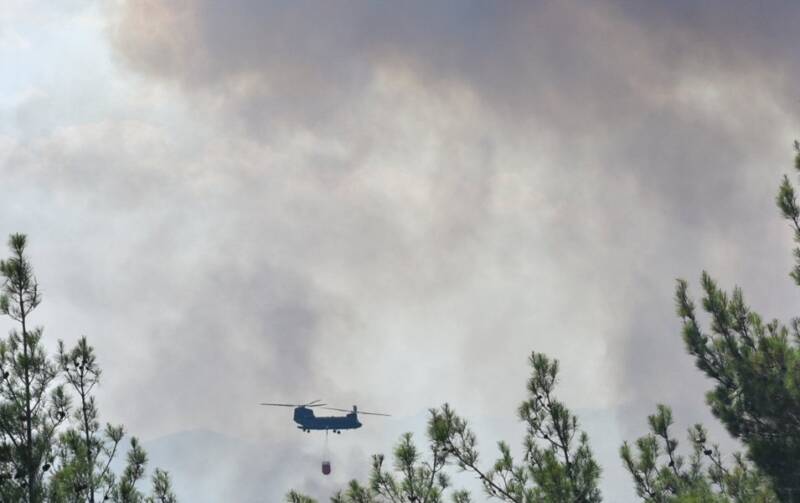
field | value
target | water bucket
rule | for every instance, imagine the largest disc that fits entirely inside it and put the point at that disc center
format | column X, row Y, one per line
column 326, row 467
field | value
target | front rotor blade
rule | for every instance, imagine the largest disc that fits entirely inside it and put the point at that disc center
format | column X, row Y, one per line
column 280, row 404
column 316, row 405
column 339, row 410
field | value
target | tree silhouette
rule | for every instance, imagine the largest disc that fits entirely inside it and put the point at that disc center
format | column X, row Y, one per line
column 50, row 450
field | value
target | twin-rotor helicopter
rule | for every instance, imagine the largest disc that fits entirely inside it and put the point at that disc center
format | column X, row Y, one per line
column 307, row 421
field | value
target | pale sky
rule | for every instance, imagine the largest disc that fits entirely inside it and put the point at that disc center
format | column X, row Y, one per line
column 390, row 205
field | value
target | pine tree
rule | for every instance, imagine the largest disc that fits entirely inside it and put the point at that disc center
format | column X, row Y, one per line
column 126, row 491
column 416, row 479
column 162, row 488
column 662, row 475
column 755, row 366
column 31, row 406
column 84, row 452
column 557, row 466
column 46, row 453
column 295, row 497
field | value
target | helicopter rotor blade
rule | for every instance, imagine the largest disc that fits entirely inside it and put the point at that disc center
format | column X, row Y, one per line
column 295, row 405
column 358, row 412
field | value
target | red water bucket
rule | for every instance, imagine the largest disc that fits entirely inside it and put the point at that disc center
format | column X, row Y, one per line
column 326, row 467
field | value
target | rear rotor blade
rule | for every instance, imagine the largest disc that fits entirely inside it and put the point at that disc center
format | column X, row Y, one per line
column 374, row 413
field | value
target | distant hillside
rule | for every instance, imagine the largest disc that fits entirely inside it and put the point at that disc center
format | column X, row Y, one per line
column 209, row 467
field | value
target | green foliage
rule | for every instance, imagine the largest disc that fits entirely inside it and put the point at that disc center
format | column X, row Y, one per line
column 162, row 488
column 294, row 497
column 31, row 406
column 126, row 491
column 756, row 368
column 787, row 203
column 662, row 475
column 557, row 465
column 85, row 453
column 46, row 452
column 416, row 480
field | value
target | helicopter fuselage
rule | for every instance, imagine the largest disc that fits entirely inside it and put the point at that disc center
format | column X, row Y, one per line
column 307, row 421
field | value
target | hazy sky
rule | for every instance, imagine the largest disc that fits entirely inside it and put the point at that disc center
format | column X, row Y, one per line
column 390, row 204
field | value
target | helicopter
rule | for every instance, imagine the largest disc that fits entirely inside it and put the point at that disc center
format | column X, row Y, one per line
column 307, row 421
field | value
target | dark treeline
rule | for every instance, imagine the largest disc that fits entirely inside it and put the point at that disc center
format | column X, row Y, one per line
column 52, row 445
column 755, row 368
